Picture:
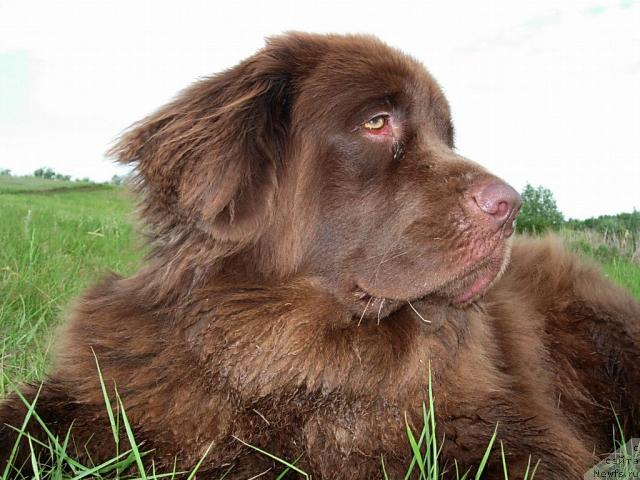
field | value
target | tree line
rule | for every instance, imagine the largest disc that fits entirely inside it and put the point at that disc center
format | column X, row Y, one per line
column 50, row 174
column 540, row 213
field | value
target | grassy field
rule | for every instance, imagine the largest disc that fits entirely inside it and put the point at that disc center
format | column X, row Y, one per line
column 58, row 237
column 29, row 184
column 620, row 258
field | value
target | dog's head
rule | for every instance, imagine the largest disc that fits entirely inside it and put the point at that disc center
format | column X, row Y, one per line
column 329, row 156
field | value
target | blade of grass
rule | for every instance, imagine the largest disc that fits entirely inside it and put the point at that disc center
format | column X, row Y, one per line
column 533, row 473
column 423, row 435
column 192, row 475
column 287, row 470
column 105, row 467
column 384, row 470
column 34, row 461
column 30, row 412
column 415, row 448
column 131, row 438
column 428, row 435
column 433, row 426
column 226, row 473
column 107, row 403
column 487, row 452
column 526, row 472
column 504, row 462
column 273, row 457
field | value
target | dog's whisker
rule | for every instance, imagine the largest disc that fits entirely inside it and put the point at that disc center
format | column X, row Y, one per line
column 364, row 311
column 394, row 256
column 375, row 258
column 382, row 260
column 380, row 309
column 418, row 313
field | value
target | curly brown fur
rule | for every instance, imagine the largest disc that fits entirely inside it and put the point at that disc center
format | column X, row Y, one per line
column 307, row 272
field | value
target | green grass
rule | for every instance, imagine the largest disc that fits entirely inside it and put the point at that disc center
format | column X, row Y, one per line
column 58, row 237
column 620, row 259
column 31, row 184
column 53, row 245
column 624, row 273
column 130, row 464
column 62, row 465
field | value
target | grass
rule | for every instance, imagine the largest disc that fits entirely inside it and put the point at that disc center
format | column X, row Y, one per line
column 619, row 257
column 130, row 464
column 58, row 237
column 62, row 465
column 10, row 184
column 53, row 245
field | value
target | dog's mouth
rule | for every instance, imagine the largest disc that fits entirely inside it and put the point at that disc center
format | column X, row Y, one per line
column 462, row 290
column 477, row 287
column 469, row 287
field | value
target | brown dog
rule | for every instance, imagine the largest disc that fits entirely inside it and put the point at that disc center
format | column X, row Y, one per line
column 316, row 244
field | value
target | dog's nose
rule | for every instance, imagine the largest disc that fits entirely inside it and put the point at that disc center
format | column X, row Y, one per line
column 499, row 201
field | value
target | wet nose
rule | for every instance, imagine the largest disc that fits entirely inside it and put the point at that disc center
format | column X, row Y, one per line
column 499, row 201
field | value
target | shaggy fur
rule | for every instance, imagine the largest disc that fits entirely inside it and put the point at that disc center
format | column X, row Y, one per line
column 307, row 270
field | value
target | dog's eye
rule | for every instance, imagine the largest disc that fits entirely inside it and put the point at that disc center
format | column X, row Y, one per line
column 376, row 123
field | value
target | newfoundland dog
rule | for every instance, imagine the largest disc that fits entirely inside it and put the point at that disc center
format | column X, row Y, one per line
column 318, row 252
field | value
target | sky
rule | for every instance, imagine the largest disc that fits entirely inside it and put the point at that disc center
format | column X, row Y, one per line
column 542, row 92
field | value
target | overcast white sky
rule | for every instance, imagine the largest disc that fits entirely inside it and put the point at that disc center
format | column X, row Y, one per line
column 546, row 92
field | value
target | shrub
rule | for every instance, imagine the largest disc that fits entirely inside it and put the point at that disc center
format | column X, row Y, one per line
column 51, row 174
column 539, row 211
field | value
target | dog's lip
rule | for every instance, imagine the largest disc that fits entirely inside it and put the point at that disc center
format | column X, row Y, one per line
column 462, row 289
column 476, row 288
column 469, row 286
column 480, row 283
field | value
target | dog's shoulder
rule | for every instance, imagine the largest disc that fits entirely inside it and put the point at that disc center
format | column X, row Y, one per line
column 543, row 265
column 545, row 272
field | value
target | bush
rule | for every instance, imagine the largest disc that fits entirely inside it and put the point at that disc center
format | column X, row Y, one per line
column 539, row 211
column 120, row 179
column 50, row 174
column 117, row 180
column 47, row 173
column 619, row 224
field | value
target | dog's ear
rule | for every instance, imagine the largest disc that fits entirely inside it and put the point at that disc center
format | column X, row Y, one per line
column 211, row 158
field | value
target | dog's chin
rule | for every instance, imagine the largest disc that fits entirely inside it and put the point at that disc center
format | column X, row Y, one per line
column 465, row 290
column 460, row 291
